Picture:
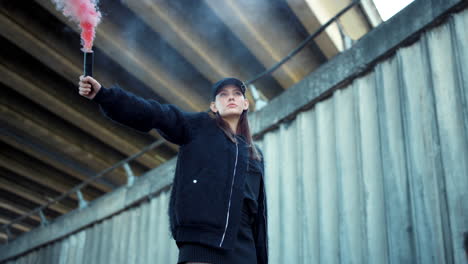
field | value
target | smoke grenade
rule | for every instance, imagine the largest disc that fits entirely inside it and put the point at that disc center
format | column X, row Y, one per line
column 87, row 15
column 88, row 63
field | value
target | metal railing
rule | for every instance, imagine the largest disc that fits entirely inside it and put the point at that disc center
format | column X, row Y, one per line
column 125, row 162
column 77, row 189
column 303, row 43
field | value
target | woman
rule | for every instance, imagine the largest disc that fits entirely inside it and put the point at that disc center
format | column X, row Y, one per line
column 217, row 208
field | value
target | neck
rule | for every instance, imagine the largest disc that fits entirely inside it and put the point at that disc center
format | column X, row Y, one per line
column 232, row 122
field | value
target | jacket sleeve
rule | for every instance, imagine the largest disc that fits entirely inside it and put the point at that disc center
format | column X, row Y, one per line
column 144, row 114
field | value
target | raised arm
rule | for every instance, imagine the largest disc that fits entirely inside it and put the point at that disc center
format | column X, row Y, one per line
column 136, row 112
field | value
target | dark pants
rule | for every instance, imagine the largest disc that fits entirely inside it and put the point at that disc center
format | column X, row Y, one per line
column 244, row 251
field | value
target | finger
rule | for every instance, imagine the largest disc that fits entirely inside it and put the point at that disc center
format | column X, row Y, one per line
column 93, row 82
column 83, row 93
column 85, row 89
column 88, row 79
column 84, row 84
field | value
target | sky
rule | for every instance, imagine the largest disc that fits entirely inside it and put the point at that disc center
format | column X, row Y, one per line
column 388, row 8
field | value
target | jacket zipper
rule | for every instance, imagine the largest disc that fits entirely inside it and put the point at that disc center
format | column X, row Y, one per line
column 230, row 195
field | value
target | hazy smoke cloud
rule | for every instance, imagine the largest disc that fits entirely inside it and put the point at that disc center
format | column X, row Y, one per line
column 86, row 14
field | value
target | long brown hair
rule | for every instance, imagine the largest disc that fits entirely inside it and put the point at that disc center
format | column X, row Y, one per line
column 243, row 129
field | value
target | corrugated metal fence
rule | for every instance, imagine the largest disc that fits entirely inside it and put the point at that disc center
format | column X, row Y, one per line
column 376, row 173
column 137, row 235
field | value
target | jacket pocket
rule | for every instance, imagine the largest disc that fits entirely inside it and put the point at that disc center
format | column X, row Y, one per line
column 202, row 200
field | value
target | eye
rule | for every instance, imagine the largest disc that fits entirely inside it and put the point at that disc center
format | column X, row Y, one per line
column 238, row 93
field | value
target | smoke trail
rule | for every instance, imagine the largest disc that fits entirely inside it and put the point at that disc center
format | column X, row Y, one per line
column 85, row 13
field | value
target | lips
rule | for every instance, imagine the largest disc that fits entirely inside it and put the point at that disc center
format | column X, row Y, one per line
column 232, row 105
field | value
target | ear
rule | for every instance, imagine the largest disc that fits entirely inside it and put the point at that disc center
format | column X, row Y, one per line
column 213, row 107
column 246, row 104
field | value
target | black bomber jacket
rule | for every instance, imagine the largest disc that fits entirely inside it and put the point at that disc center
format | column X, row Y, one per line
column 207, row 191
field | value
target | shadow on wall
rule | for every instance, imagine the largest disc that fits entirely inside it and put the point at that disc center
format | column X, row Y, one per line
column 465, row 244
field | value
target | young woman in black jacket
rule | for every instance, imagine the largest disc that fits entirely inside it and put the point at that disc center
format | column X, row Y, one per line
column 217, row 208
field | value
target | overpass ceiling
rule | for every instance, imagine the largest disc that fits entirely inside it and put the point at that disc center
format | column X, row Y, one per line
column 51, row 139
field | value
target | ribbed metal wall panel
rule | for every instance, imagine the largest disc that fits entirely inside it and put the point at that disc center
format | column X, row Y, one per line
column 376, row 173
column 138, row 235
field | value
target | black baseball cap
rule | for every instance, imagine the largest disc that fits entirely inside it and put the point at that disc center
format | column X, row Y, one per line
column 226, row 81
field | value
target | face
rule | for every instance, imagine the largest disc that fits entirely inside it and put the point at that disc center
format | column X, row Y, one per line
column 229, row 102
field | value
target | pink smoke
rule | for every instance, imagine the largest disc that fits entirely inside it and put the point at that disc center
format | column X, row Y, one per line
column 85, row 13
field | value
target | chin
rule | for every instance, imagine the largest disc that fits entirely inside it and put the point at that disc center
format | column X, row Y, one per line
column 231, row 113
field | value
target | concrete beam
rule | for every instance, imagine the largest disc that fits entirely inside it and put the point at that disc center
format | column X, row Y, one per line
column 38, row 172
column 108, row 133
column 201, row 49
column 209, row 60
column 51, row 48
column 353, row 23
column 267, row 38
column 371, row 12
column 404, row 27
column 19, row 34
column 56, row 134
column 147, row 70
column 330, row 41
column 83, row 114
column 18, row 209
column 55, row 159
column 314, row 13
column 27, row 194
column 21, row 227
column 48, row 48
